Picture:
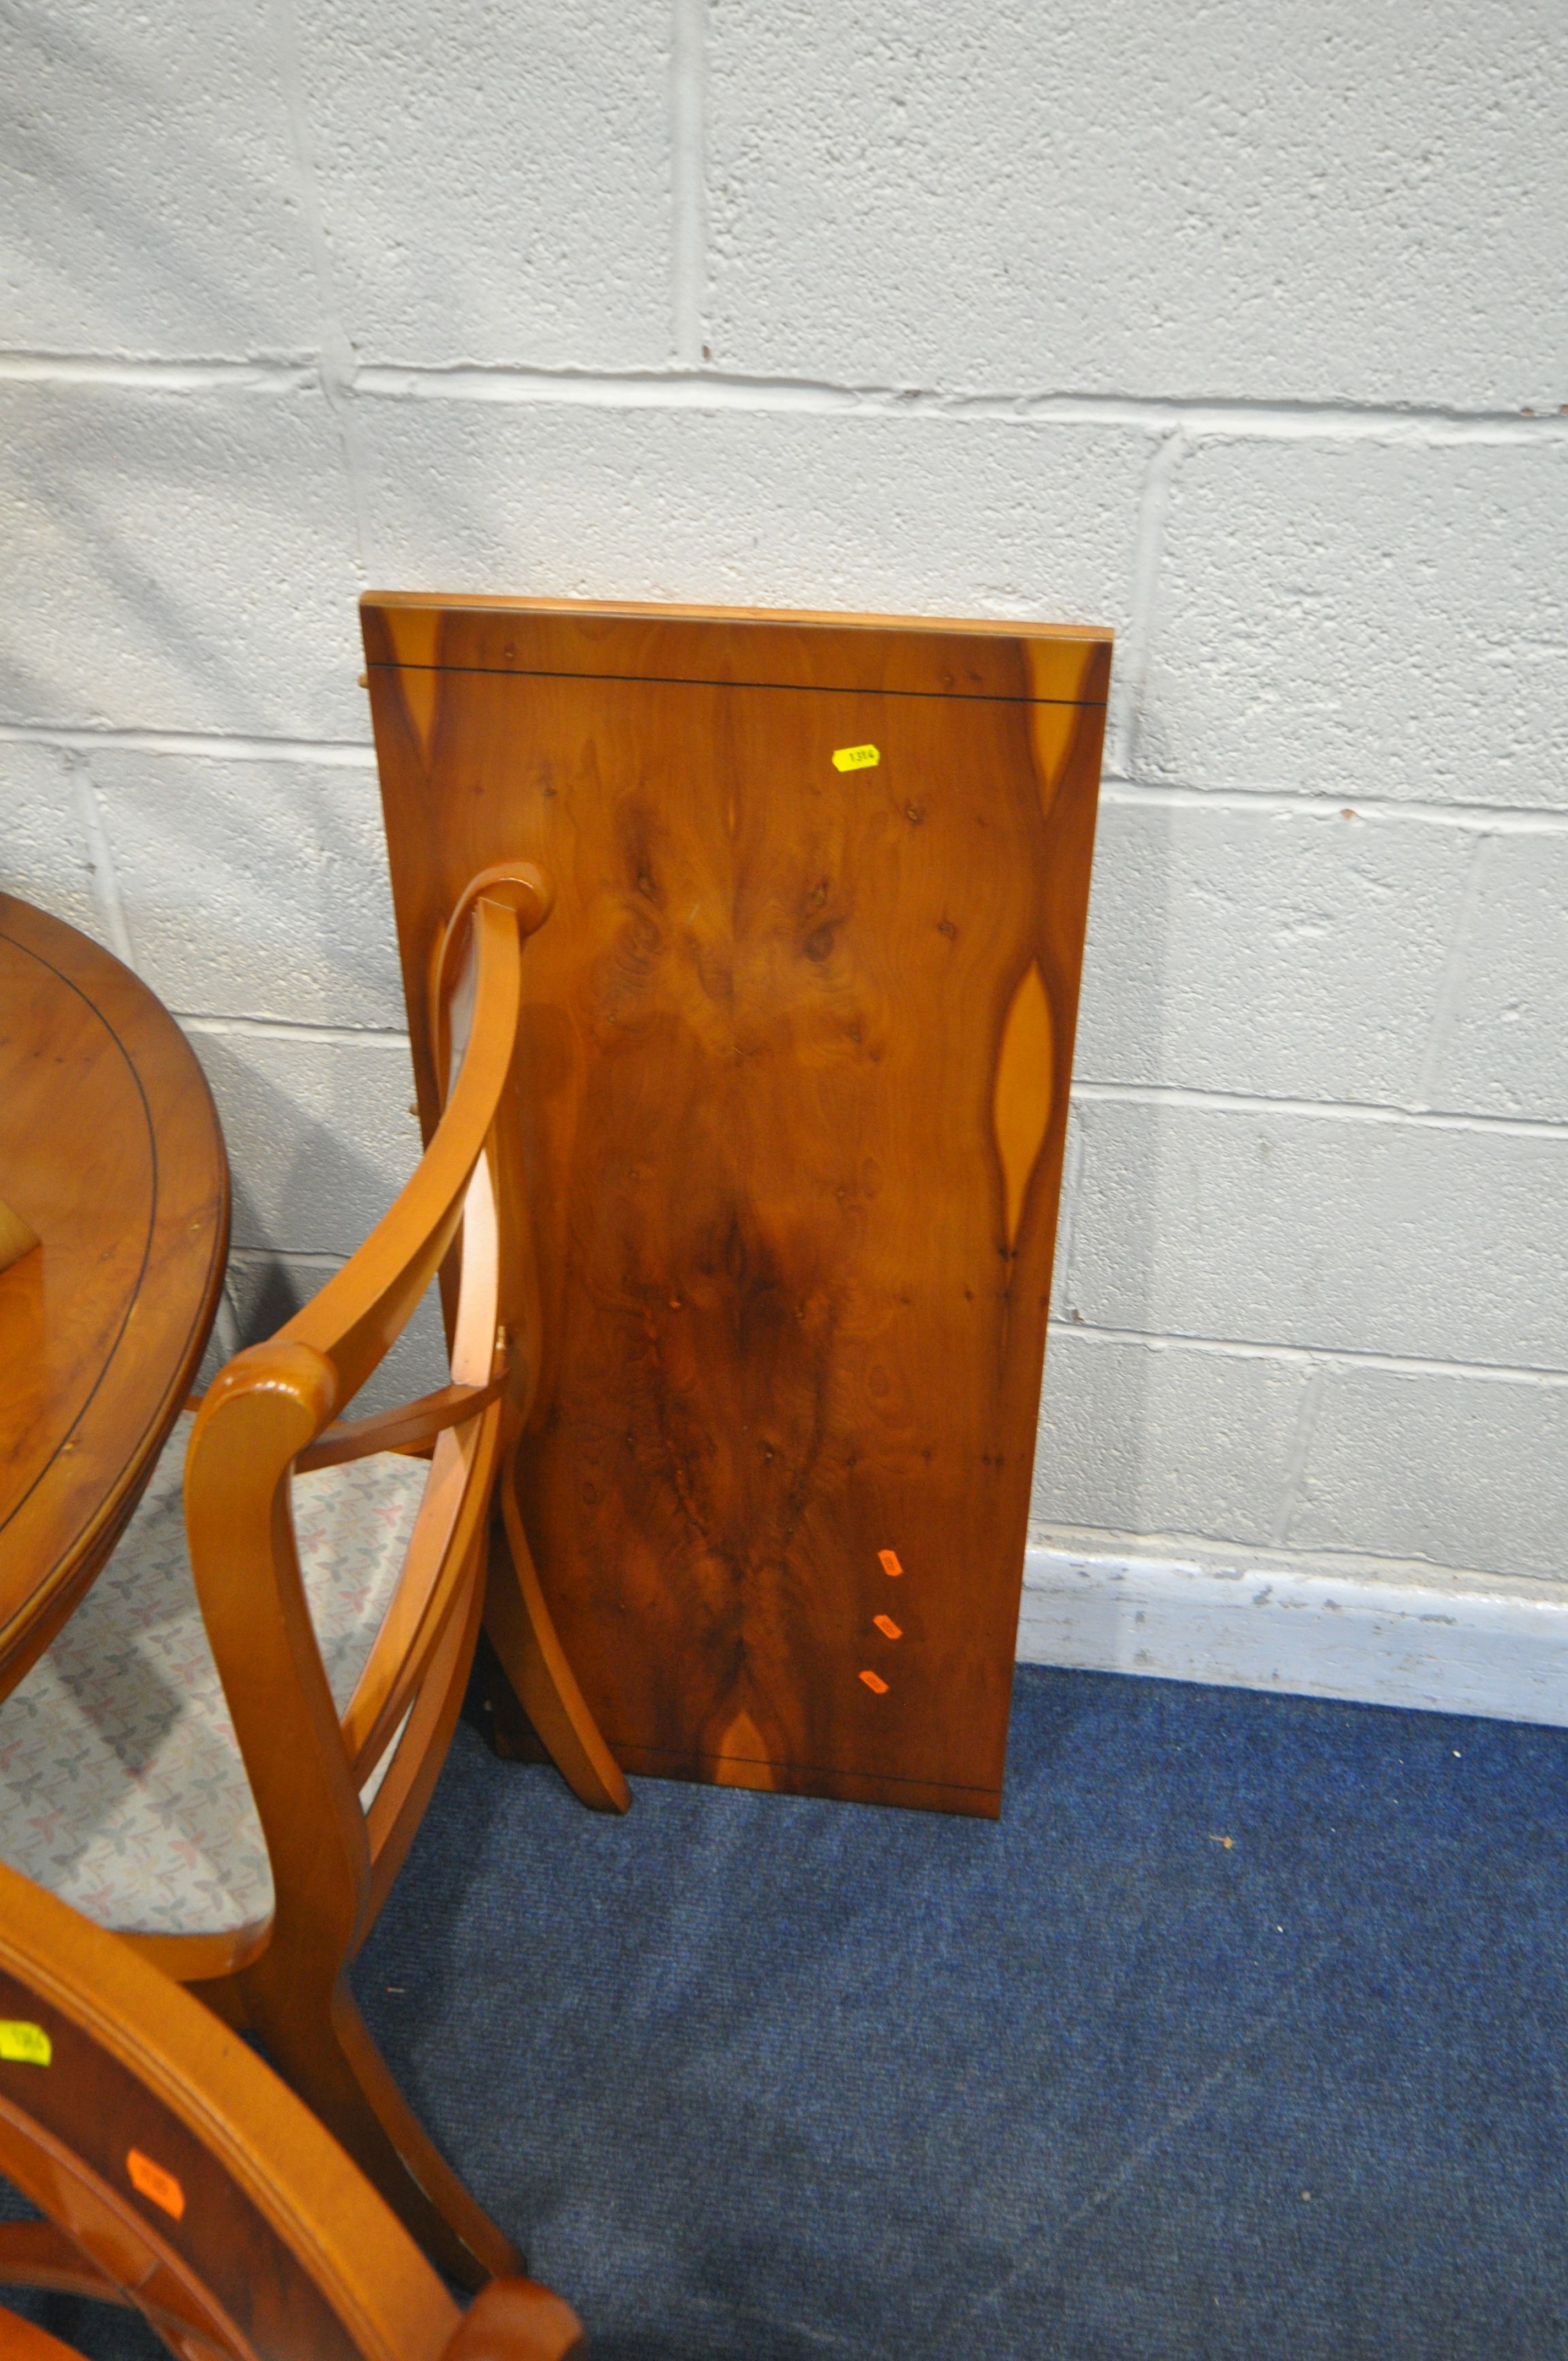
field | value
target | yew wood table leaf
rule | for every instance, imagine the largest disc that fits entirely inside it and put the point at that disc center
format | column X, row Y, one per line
column 791, row 1094
column 111, row 1154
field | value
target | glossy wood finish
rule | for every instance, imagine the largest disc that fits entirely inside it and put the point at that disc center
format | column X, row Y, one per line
column 182, row 2179
column 17, row 1237
column 271, row 1411
column 793, row 1073
column 110, row 1150
column 907, row 655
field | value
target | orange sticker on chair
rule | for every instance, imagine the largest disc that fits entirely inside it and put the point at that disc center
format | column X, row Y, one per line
column 877, row 1687
column 888, row 1561
column 154, row 2182
column 887, row 1627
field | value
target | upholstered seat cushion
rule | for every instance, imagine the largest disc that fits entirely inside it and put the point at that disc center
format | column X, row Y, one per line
column 121, row 1786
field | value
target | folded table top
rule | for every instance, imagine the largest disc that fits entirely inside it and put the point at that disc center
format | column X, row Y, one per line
column 790, row 1108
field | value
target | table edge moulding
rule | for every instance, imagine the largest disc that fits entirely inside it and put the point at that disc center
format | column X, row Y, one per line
column 111, row 1153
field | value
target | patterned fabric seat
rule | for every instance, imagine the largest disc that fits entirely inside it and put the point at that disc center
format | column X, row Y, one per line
column 121, row 1786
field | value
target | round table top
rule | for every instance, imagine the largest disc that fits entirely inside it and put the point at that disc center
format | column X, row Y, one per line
column 110, row 1148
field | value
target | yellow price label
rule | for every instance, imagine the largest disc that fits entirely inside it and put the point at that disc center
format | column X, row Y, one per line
column 27, row 2045
column 856, row 757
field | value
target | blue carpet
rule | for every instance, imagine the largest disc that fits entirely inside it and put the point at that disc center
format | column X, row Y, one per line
column 1241, row 2035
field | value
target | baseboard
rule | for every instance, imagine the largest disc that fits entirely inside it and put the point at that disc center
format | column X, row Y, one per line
column 1436, row 1642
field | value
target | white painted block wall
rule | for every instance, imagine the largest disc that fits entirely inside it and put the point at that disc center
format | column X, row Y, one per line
column 1243, row 335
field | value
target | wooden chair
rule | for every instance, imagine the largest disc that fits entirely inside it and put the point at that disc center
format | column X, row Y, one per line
column 341, row 1582
column 179, row 2176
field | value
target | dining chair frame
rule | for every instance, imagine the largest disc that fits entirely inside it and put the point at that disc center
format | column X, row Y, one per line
column 176, row 2175
column 271, row 1414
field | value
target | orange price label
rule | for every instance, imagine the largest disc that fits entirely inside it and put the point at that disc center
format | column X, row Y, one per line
column 888, row 1561
column 887, row 1627
column 154, row 2182
column 877, row 1686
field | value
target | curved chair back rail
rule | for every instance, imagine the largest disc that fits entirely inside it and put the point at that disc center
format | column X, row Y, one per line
column 179, row 2176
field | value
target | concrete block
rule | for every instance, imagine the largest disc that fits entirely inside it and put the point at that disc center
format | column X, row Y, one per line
column 1461, row 1470
column 177, row 561
column 1359, row 618
column 1292, row 954
column 1160, row 1439
column 495, row 182
column 254, row 889
column 148, row 184
column 44, row 853
column 928, row 515
column 1322, row 1230
column 1505, row 1047
column 320, row 1135
column 1085, row 198
column 267, row 1289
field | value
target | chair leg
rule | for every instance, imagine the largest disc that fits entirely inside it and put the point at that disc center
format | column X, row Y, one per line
column 325, row 2051
column 223, row 1996
column 524, row 1637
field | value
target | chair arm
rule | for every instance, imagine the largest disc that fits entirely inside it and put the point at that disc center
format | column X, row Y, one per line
column 365, row 1306
column 406, row 1427
column 259, row 1414
column 289, row 1391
